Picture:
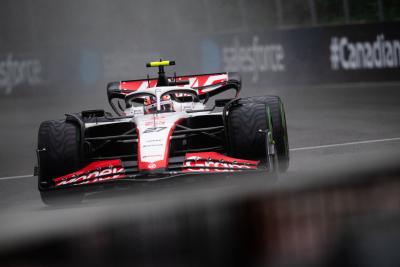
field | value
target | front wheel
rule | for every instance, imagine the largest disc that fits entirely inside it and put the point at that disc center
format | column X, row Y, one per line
column 59, row 152
column 249, row 120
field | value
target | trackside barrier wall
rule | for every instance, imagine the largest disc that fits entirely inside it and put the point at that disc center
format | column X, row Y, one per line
column 312, row 56
column 309, row 56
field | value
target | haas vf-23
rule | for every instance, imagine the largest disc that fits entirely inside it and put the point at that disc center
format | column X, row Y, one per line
column 164, row 128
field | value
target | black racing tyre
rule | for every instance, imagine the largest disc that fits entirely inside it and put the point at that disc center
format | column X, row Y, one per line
column 245, row 121
column 279, row 128
column 59, row 143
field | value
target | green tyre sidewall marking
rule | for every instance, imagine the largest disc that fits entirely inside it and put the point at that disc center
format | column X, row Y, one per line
column 283, row 122
column 270, row 124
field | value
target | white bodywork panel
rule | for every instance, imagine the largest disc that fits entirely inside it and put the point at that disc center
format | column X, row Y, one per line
column 154, row 130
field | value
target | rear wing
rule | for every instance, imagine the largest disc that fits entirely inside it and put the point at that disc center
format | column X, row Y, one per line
column 206, row 85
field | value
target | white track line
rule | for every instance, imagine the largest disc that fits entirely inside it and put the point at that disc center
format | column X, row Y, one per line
column 16, row 177
column 347, row 144
column 293, row 149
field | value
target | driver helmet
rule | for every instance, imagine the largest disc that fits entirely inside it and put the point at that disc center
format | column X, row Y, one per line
column 150, row 104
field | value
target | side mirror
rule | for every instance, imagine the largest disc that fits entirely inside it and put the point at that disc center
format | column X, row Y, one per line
column 138, row 100
column 98, row 113
column 222, row 102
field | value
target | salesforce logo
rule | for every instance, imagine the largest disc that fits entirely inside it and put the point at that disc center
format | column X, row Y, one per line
column 378, row 54
column 254, row 58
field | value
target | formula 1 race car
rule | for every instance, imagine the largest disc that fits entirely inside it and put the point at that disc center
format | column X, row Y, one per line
column 163, row 129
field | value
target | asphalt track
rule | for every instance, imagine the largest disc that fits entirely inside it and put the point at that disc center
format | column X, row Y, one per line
column 330, row 127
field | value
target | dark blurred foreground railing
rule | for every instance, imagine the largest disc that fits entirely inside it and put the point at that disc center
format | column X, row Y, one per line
column 351, row 218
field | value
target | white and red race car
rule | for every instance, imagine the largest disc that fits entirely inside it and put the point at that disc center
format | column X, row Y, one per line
column 163, row 128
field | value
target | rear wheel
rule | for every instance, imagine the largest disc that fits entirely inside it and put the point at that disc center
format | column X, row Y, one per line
column 247, row 123
column 60, row 153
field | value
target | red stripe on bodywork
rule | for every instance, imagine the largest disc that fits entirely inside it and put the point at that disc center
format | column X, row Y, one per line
column 196, row 82
column 135, row 85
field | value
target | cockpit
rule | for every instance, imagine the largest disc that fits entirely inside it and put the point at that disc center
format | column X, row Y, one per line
column 160, row 100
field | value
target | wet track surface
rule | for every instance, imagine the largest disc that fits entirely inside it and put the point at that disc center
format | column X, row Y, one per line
column 316, row 116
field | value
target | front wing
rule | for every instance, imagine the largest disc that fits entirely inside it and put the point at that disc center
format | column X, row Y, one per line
column 117, row 170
